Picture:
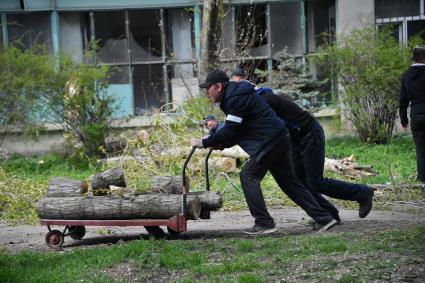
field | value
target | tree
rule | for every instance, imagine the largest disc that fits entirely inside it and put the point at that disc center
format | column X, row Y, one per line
column 36, row 88
column 368, row 64
column 291, row 78
column 210, row 37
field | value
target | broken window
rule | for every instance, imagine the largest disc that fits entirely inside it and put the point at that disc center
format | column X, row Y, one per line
column 228, row 37
column 74, row 34
column 111, row 37
column 416, row 28
column 180, row 41
column 251, row 30
column 145, row 35
column 321, row 23
column 119, row 75
column 148, row 85
column 396, row 8
column 286, row 29
column 27, row 30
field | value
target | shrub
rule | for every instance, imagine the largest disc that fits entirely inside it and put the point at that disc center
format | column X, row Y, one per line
column 369, row 64
column 36, row 88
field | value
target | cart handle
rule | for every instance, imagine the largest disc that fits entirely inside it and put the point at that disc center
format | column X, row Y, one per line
column 184, row 170
column 207, row 177
column 185, row 189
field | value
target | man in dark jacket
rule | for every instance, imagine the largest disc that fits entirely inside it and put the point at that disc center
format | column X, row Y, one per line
column 308, row 152
column 413, row 92
column 253, row 125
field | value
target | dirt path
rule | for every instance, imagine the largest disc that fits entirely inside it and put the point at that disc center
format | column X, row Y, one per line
column 290, row 221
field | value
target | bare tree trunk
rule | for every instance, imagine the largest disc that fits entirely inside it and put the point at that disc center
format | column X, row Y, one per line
column 210, row 37
column 148, row 206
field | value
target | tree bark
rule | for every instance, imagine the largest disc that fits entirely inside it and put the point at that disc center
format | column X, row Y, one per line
column 211, row 201
column 210, row 37
column 147, row 206
column 168, row 184
column 102, row 181
column 63, row 187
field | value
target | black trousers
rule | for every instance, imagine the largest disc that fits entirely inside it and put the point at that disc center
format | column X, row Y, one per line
column 309, row 161
column 417, row 125
column 279, row 162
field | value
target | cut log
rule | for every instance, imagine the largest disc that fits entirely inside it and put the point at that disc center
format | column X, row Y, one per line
column 147, row 206
column 167, row 184
column 63, row 187
column 235, row 152
column 348, row 168
column 397, row 187
column 224, row 164
column 102, row 181
column 211, row 201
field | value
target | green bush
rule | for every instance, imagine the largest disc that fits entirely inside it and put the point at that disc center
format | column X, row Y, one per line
column 369, row 64
column 36, row 87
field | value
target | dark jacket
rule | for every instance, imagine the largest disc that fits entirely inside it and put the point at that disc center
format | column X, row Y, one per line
column 298, row 121
column 413, row 91
column 250, row 122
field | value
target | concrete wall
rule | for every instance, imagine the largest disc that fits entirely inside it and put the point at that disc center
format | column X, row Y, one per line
column 53, row 140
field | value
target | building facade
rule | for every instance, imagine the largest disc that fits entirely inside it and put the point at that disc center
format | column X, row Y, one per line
column 153, row 45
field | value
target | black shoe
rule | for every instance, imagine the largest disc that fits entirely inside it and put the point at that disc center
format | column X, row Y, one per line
column 320, row 228
column 317, row 226
column 366, row 206
column 423, row 190
column 258, row 230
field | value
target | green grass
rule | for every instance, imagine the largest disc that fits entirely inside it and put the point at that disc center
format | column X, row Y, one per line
column 342, row 257
column 24, row 179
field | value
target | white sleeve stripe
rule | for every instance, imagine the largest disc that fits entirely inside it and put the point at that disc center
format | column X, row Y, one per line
column 234, row 119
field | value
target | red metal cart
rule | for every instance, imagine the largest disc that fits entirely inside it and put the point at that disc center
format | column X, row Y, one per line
column 176, row 224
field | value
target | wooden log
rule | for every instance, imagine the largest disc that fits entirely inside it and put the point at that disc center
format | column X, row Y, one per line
column 147, row 206
column 348, row 168
column 211, row 201
column 102, row 181
column 224, row 164
column 63, row 187
column 168, row 184
column 235, row 152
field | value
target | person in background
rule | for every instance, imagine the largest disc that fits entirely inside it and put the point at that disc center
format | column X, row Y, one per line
column 212, row 124
column 308, row 155
column 252, row 124
column 413, row 92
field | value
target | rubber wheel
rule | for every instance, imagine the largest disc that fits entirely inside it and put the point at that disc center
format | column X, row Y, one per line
column 155, row 231
column 54, row 239
column 77, row 232
column 173, row 233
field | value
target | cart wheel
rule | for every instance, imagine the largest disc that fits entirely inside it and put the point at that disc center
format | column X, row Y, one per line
column 77, row 232
column 155, row 231
column 173, row 233
column 54, row 239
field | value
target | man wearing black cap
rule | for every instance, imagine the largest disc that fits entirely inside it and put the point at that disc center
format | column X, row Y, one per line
column 253, row 125
column 413, row 92
column 308, row 155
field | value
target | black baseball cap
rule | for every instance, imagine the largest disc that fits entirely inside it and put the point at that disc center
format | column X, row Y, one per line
column 210, row 118
column 238, row 72
column 213, row 77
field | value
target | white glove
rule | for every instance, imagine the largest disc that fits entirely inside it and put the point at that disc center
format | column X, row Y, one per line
column 197, row 143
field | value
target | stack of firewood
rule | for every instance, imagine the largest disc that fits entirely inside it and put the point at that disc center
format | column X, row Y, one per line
column 105, row 197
